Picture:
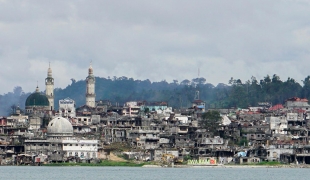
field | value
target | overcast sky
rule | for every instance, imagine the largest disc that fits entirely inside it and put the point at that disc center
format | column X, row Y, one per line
column 156, row 40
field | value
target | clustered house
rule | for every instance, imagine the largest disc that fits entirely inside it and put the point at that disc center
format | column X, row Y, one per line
column 152, row 131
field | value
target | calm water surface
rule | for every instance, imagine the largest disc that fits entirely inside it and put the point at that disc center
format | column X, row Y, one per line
column 87, row 173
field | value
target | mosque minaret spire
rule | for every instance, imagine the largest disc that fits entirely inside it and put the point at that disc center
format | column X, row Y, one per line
column 49, row 84
column 90, row 87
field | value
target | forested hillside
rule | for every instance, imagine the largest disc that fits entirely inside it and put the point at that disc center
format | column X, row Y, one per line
column 178, row 94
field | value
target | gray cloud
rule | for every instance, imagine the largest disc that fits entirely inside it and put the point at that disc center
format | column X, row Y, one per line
column 152, row 40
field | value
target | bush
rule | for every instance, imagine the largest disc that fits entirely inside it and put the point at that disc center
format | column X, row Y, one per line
column 243, row 142
column 269, row 163
column 187, row 157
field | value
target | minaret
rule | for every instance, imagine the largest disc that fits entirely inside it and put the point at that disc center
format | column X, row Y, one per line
column 49, row 83
column 90, row 88
column 37, row 89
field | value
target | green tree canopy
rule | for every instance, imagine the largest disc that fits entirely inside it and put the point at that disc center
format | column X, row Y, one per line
column 210, row 121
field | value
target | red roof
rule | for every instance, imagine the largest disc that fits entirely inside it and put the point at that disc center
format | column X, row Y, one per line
column 276, row 107
column 297, row 99
column 301, row 111
column 197, row 101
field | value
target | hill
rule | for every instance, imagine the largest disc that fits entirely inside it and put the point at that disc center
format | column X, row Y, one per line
column 178, row 94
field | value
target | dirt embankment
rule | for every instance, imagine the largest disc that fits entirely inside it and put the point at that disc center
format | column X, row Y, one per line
column 113, row 157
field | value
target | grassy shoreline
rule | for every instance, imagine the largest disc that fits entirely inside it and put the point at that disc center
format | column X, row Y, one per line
column 264, row 163
column 136, row 164
column 103, row 163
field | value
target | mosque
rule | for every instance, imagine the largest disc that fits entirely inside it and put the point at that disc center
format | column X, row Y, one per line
column 60, row 142
column 38, row 102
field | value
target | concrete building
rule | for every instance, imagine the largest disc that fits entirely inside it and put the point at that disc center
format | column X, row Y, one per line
column 158, row 107
column 297, row 103
column 67, row 108
column 199, row 105
column 278, row 125
column 131, row 109
column 60, row 143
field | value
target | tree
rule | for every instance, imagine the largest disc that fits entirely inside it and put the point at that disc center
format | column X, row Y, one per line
column 175, row 81
column 306, row 88
column 186, row 82
column 12, row 110
column 198, row 81
column 73, row 80
column 17, row 91
column 238, row 93
column 210, row 121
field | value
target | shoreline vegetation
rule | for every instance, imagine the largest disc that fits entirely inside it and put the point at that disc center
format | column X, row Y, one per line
column 108, row 163
column 102, row 163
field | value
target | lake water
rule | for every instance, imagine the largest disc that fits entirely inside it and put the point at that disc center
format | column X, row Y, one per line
column 137, row 173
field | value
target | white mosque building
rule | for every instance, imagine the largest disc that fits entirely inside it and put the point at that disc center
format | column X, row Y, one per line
column 61, row 144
